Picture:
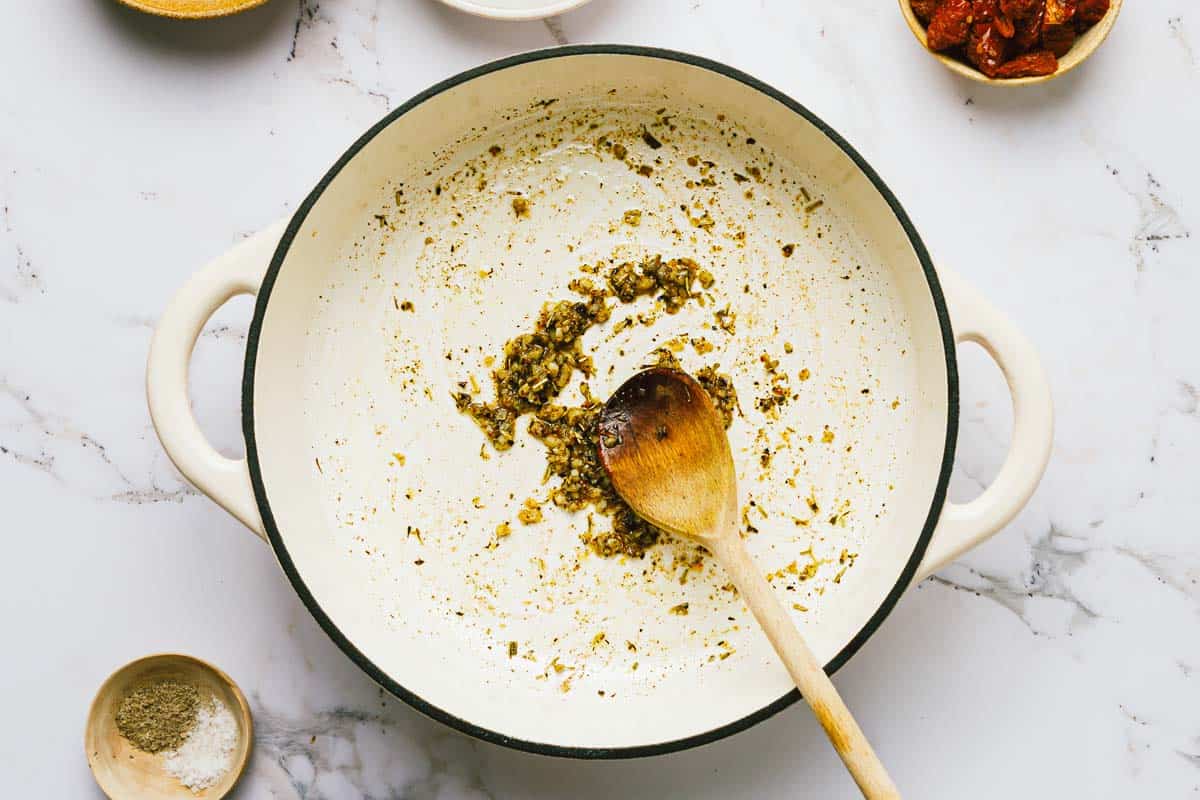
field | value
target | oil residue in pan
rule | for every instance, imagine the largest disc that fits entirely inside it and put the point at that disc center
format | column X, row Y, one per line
column 459, row 257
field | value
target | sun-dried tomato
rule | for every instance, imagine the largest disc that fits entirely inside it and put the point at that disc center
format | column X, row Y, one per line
column 1029, row 29
column 951, row 25
column 1058, row 26
column 989, row 11
column 1017, row 10
column 1090, row 12
column 986, row 48
column 924, row 9
column 1029, row 65
column 1006, row 39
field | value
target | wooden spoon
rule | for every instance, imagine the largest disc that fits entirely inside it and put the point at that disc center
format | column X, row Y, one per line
column 664, row 446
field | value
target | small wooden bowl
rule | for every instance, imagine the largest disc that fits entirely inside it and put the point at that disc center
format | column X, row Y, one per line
column 124, row 772
column 1084, row 46
column 192, row 9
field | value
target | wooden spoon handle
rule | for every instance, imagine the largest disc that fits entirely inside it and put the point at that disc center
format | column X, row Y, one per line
column 843, row 732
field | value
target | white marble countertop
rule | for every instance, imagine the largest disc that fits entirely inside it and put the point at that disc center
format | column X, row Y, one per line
column 1061, row 659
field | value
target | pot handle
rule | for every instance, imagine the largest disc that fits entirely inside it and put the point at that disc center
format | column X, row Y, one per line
column 238, row 271
column 963, row 526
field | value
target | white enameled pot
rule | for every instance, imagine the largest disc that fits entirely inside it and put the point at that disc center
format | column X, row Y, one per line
column 403, row 273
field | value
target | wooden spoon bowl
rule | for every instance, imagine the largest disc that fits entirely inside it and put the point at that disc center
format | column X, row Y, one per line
column 1087, row 44
column 124, row 772
column 659, row 416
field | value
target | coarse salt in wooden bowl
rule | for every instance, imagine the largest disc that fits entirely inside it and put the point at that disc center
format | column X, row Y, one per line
column 1086, row 44
column 121, row 770
column 192, row 9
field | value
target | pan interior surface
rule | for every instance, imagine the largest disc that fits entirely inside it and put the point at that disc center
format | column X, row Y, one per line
column 439, row 241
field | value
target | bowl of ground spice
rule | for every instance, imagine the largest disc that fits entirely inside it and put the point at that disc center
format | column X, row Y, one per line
column 192, row 9
column 1011, row 42
column 168, row 726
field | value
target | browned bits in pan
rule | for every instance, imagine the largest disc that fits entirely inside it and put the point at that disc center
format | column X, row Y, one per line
column 538, row 365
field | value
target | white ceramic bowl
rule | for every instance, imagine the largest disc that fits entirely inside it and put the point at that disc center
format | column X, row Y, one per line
column 515, row 10
column 399, row 562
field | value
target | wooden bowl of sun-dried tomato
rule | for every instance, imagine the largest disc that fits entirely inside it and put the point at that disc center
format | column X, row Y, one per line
column 1011, row 42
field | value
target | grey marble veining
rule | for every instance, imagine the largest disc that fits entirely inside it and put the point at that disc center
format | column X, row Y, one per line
column 1061, row 659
